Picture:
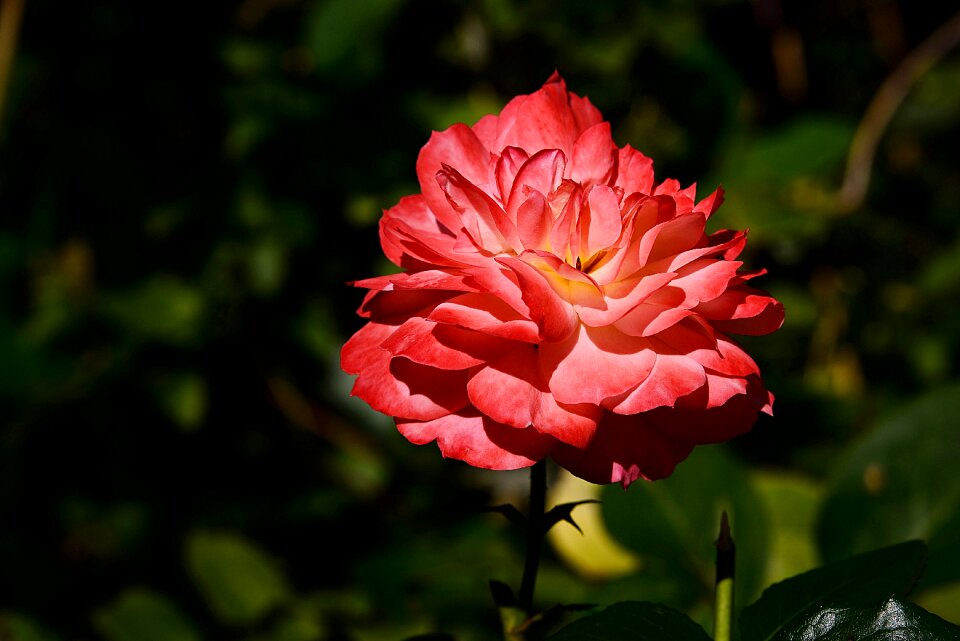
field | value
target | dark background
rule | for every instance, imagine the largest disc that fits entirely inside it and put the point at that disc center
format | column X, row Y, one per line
column 185, row 189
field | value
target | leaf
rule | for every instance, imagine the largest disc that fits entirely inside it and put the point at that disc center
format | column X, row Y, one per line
column 890, row 620
column 344, row 37
column 184, row 398
column 15, row 627
column 162, row 308
column 240, row 583
column 781, row 184
column 857, row 580
column 139, row 614
column 673, row 522
column 900, row 483
column 633, row 621
column 792, row 503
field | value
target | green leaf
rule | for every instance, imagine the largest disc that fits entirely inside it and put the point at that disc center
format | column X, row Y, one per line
column 890, row 620
column 140, row 614
column 942, row 600
column 857, row 580
column 633, row 621
column 901, row 483
column 163, row 308
column 15, row 627
column 792, row 503
column 781, row 184
column 240, row 583
column 183, row 396
column 344, row 37
column 673, row 522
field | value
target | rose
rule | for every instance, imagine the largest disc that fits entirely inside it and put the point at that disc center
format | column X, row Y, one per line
column 557, row 302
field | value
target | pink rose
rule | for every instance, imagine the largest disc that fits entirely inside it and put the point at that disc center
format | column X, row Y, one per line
column 555, row 301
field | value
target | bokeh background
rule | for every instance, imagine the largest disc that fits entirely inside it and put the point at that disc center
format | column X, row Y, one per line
column 185, row 189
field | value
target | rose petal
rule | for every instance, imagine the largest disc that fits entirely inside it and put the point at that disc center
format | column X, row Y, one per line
column 545, row 119
column 399, row 387
column 487, row 314
column 600, row 225
column 594, row 364
column 459, row 147
column 534, row 221
column 482, row 218
column 553, row 315
column 634, row 171
column 479, row 441
column 624, row 449
column 744, row 310
column 542, row 172
column 444, row 346
column 511, row 390
column 594, row 156
column 672, row 377
column 510, row 161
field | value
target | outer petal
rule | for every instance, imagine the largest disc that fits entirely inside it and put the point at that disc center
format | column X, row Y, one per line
column 487, row 314
column 479, row 441
column 411, row 228
column 744, row 310
column 400, row 304
column 444, row 346
column 714, row 424
column 705, row 279
column 672, row 377
column 624, row 449
column 595, row 364
column 457, row 146
column 397, row 386
column 635, row 172
column 511, row 390
column 544, row 119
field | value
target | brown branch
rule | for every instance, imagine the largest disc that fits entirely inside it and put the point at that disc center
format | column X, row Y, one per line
column 884, row 105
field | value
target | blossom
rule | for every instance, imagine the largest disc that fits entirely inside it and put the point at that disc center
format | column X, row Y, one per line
column 555, row 301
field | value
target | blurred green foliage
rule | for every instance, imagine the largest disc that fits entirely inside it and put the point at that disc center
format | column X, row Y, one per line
column 185, row 190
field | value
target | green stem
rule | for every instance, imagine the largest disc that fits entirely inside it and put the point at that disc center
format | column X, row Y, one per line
column 726, row 561
column 535, row 533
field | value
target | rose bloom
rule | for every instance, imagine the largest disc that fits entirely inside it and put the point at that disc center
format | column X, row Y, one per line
column 556, row 301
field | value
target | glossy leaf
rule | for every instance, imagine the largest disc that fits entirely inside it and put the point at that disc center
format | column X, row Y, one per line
column 860, row 579
column 899, row 483
column 890, row 620
column 633, row 621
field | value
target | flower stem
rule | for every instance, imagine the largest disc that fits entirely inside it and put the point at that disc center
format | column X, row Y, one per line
column 535, row 533
column 723, row 606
